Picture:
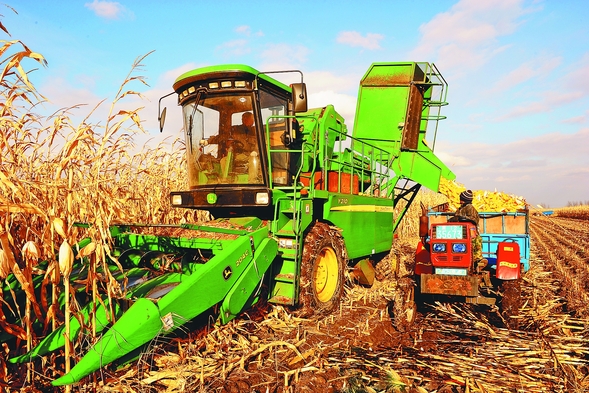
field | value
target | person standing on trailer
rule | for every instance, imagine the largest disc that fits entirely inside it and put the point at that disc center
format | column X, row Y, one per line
column 467, row 212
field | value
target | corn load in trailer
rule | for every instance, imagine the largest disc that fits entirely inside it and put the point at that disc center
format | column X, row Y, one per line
column 296, row 200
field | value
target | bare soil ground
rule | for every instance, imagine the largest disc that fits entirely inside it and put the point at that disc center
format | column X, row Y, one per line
column 450, row 348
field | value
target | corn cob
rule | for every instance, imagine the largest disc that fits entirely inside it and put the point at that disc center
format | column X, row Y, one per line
column 483, row 200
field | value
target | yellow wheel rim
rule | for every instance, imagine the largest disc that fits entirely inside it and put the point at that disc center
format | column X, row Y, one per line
column 326, row 275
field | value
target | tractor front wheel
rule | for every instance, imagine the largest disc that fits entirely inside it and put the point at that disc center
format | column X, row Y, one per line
column 404, row 306
column 510, row 301
column 323, row 269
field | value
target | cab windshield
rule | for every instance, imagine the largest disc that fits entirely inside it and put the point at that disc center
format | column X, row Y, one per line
column 221, row 141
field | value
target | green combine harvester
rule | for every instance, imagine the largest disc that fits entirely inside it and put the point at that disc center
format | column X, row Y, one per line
column 296, row 201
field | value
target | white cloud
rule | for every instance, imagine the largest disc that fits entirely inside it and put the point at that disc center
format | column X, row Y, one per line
column 283, row 56
column 568, row 88
column 453, row 160
column 247, row 31
column 536, row 68
column 324, row 80
column 243, row 29
column 578, row 78
column 467, row 36
column 59, row 92
column 344, row 104
column 550, row 100
column 234, row 48
column 353, row 38
column 107, row 9
column 551, row 168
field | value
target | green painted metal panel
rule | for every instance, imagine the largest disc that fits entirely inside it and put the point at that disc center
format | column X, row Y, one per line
column 249, row 281
column 140, row 324
column 393, row 112
column 366, row 223
column 56, row 339
column 379, row 115
column 218, row 70
column 182, row 297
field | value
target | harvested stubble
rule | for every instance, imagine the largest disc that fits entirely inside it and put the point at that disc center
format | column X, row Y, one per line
column 563, row 244
column 451, row 346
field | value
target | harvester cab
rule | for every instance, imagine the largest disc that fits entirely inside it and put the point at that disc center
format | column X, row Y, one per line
column 231, row 115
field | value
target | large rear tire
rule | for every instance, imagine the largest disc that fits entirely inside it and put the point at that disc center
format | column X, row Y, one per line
column 323, row 269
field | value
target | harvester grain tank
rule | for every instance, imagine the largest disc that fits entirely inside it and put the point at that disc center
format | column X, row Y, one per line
column 296, row 202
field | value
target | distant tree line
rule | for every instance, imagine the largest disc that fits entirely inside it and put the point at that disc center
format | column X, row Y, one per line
column 570, row 204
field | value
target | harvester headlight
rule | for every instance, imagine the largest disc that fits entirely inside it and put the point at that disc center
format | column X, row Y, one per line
column 226, row 84
column 262, row 198
column 459, row 248
column 286, row 243
column 239, row 83
column 176, row 199
column 191, row 89
column 439, row 247
column 214, row 85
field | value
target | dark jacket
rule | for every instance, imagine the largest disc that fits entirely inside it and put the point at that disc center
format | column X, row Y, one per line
column 467, row 212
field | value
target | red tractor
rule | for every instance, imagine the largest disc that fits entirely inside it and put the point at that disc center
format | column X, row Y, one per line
column 446, row 270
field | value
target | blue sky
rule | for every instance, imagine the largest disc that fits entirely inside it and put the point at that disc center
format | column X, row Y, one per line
column 517, row 70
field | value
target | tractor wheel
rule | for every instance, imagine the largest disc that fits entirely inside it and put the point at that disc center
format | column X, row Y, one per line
column 404, row 308
column 510, row 301
column 323, row 269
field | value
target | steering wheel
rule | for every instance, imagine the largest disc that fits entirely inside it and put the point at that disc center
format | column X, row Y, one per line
column 237, row 145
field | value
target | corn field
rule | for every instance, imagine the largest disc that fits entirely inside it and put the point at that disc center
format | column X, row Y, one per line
column 575, row 212
column 55, row 173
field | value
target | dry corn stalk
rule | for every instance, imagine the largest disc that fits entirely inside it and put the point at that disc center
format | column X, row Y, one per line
column 66, row 261
column 5, row 267
column 54, row 172
column 579, row 212
column 31, row 254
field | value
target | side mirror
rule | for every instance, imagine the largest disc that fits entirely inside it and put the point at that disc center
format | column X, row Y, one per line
column 162, row 119
column 299, row 97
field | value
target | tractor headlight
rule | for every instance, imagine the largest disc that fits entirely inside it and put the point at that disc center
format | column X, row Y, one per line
column 439, row 247
column 262, row 198
column 459, row 248
column 176, row 199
